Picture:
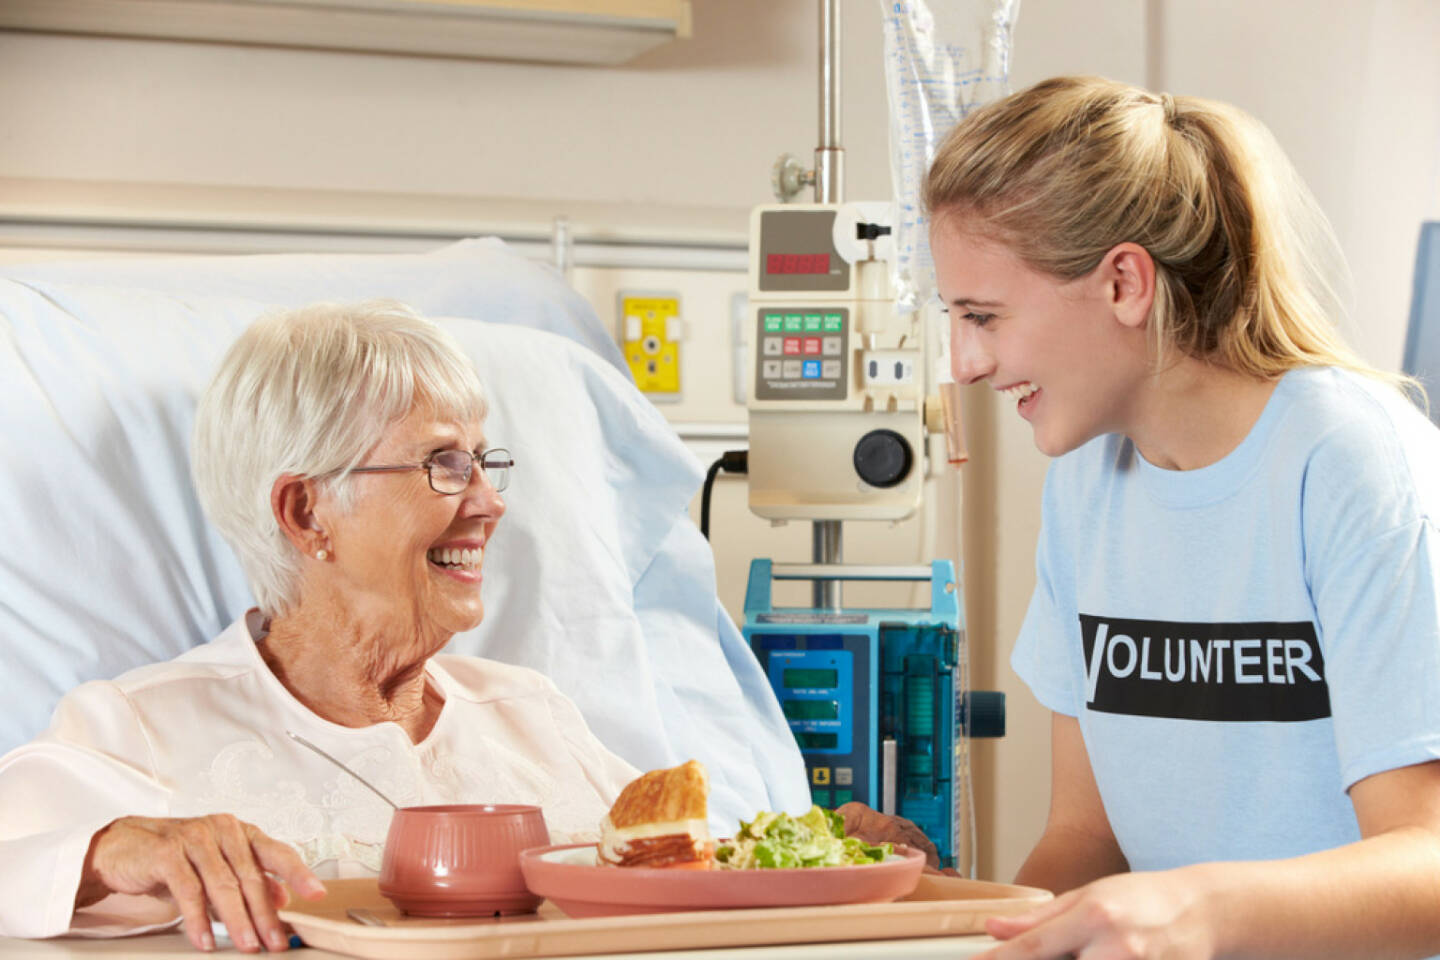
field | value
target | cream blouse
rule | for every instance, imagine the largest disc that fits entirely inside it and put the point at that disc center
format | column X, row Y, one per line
column 206, row 733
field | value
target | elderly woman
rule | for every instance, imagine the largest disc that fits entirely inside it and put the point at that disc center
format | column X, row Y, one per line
column 342, row 453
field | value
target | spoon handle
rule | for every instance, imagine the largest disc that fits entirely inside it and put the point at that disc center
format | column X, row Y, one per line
column 376, row 790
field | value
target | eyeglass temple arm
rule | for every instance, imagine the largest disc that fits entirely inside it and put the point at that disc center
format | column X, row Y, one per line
column 395, row 469
column 484, row 464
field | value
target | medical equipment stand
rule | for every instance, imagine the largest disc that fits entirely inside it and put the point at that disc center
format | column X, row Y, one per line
column 876, row 698
column 826, row 536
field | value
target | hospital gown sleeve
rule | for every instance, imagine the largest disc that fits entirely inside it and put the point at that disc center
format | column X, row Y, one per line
column 91, row 766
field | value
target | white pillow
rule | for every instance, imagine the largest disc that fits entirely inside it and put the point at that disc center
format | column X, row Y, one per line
column 106, row 560
column 480, row 278
column 596, row 576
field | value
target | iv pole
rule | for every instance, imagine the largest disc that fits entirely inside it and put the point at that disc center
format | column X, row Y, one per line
column 826, row 539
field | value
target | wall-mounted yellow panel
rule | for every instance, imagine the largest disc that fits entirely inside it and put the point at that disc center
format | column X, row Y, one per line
column 651, row 329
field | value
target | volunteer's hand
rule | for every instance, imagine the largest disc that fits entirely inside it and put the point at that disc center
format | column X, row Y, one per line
column 1129, row 916
column 207, row 864
column 872, row 826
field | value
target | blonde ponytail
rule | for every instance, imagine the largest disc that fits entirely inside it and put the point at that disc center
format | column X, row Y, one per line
column 1245, row 261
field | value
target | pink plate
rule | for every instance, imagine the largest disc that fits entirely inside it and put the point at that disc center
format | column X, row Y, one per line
column 567, row 875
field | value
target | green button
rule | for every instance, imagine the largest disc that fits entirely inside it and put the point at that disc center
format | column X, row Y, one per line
column 822, row 797
column 794, row 323
column 774, row 322
column 834, row 322
column 844, row 796
column 812, row 323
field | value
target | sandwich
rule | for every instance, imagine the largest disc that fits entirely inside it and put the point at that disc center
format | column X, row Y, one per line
column 660, row 820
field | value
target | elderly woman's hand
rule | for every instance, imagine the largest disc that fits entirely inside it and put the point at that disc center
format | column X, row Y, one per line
column 872, row 826
column 215, row 861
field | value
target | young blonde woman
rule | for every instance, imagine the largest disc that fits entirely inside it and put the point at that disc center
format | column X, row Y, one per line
column 1236, row 620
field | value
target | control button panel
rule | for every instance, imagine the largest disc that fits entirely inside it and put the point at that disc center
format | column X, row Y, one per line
column 801, row 353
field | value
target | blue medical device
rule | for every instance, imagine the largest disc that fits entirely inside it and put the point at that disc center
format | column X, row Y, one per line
column 1422, row 337
column 874, row 697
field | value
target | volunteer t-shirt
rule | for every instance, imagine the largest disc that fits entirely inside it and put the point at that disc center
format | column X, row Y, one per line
column 1242, row 642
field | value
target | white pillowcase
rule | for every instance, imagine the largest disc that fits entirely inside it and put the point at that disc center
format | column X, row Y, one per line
column 596, row 576
column 480, row 278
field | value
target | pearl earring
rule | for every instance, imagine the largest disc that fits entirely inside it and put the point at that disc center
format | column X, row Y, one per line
column 321, row 554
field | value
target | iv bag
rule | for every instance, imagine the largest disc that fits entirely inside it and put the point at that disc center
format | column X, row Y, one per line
column 937, row 69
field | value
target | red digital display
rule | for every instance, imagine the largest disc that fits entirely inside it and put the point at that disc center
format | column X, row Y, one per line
column 797, row 263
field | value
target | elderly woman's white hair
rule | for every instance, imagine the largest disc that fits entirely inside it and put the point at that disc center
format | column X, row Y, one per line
column 308, row 392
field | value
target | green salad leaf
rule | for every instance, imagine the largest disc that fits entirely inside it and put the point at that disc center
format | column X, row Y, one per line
column 779, row 841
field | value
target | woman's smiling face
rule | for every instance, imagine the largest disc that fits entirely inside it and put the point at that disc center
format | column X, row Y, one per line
column 406, row 552
column 1053, row 348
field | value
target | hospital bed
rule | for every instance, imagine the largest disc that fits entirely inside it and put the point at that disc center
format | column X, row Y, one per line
column 597, row 576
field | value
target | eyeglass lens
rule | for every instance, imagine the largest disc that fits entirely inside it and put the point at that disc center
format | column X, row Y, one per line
column 450, row 469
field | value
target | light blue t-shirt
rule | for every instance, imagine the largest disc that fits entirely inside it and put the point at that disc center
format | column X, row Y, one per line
column 1243, row 642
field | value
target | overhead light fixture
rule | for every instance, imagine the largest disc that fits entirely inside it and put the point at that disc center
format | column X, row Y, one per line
column 597, row 32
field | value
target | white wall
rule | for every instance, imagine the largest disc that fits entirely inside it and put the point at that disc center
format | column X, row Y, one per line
column 1354, row 97
column 698, row 121
column 1351, row 90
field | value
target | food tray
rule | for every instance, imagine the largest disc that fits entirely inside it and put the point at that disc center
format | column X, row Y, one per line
column 939, row 906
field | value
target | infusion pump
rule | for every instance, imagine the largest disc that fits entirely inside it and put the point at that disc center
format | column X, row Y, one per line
column 837, row 404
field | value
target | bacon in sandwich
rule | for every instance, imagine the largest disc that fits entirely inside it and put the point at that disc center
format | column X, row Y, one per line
column 659, row 820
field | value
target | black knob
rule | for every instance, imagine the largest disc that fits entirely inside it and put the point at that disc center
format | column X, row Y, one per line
column 883, row 458
column 984, row 713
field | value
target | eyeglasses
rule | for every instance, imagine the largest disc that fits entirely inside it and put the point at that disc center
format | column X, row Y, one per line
column 450, row 470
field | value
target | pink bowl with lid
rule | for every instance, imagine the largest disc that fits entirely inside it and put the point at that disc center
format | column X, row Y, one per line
column 461, row 860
